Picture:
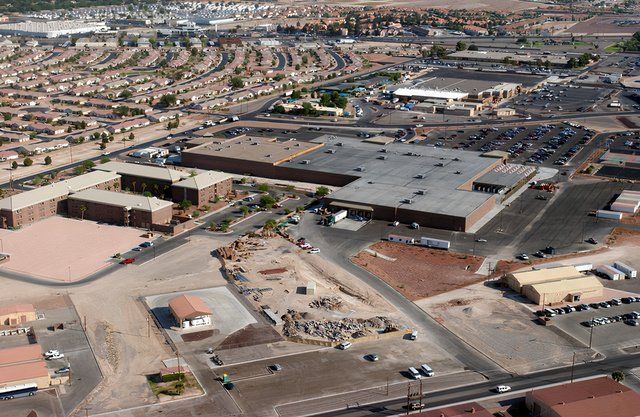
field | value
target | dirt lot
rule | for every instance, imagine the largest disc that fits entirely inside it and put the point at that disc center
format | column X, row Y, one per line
column 67, row 249
column 419, row 272
column 499, row 325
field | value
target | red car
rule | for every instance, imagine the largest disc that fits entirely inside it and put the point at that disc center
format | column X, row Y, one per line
column 127, row 261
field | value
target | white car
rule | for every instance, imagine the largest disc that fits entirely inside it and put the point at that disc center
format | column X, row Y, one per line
column 523, row 256
column 500, row 389
column 481, row 240
column 314, row 250
column 344, row 345
column 57, row 356
column 51, row 352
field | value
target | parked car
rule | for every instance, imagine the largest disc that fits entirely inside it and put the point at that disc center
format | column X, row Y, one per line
column 146, row 244
column 372, row 357
column 127, row 261
column 63, row 370
column 592, row 241
column 502, row 389
column 345, row 345
column 276, row 367
column 314, row 250
column 57, row 356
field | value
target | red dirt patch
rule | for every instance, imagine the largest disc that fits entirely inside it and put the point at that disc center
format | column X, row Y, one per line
column 251, row 335
column 420, row 272
column 273, row 271
column 196, row 336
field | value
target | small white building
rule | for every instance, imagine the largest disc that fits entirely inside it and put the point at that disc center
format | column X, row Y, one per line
column 190, row 311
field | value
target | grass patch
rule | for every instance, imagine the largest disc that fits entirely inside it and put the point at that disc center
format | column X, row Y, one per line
column 184, row 384
column 613, row 48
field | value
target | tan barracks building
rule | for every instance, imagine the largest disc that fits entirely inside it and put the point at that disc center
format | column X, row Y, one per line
column 202, row 188
column 120, row 208
column 33, row 205
column 17, row 314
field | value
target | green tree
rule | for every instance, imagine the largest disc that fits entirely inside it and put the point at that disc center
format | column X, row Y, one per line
column 296, row 95
column 47, row 160
column 617, row 376
column 279, row 109
column 473, row 47
column 125, row 94
column 236, row 82
column 270, row 224
column 104, row 159
column 184, row 204
column 132, row 136
column 461, row 46
column 267, row 201
column 14, row 165
column 244, row 210
column 27, row 162
column 263, row 187
column 322, row 191
column 168, row 100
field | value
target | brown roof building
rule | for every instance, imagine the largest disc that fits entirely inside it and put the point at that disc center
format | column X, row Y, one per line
column 202, row 188
column 23, row 365
column 596, row 397
column 17, row 314
column 461, row 410
column 190, row 311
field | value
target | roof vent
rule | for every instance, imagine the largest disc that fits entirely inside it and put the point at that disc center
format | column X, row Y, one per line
column 439, row 164
column 456, row 159
column 458, row 172
column 305, row 162
column 420, row 176
column 332, row 151
column 383, row 150
column 268, row 155
column 338, row 143
column 420, row 192
column 383, row 157
column 407, row 201
column 360, row 168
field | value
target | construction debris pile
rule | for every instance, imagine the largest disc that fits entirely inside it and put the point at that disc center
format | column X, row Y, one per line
column 335, row 330
column 240, row 249
column 327, row 303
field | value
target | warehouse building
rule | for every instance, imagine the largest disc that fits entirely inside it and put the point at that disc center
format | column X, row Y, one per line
column 33, row 205
column 589, row 398
column 555, row 285
column 17, row 314
column 23, row 365
column 190, row 311
column 202, row 188
column 434, row 187
column 120, row 208
column 52, row 28
column 472, row 409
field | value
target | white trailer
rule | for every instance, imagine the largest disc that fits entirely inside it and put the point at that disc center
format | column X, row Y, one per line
column 342, row 214
column 610, row 272
column 435, row 243
column 626, row 269
column 401, row 239
column 607, row 214
column 584, row 267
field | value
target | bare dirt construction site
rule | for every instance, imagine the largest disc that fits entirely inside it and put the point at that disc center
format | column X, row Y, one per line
column 497, row 324
column 512, row 5
column 67, row 249
column 419, row 272
column 276, row 273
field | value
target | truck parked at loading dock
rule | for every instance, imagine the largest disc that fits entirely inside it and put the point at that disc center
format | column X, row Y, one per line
column 626, row 269
column 434, row 243
column 609, row 272
column 336, row 217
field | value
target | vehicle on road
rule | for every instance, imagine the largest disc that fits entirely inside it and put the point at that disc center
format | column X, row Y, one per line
column 137, row 249
column 345, row 345
column 63, row 370
column 314, row 250
column 127, row 261
column 53, row 357
column 502, row 389
column 51, row 352
column 414, row 373
column 415, row 225
column 481, row 240
column 276, row 367
column 414, row 406
column 17, row 391
column 372, row 357
column 523, row 256
column 146, row 244
column 592, row 241
column 426, row 369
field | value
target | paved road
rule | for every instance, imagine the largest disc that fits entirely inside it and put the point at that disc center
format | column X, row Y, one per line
column 339, row 250
column 482, row 390
column 282, row 61
column 339, row 60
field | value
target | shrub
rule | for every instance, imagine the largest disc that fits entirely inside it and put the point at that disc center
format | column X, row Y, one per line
column 173, row 377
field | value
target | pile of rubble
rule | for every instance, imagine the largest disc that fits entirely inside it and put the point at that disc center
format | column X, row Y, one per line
column 335, row 330
column 240, row 249
column 327, row 303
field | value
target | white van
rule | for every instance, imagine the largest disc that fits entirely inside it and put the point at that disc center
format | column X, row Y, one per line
column 413, row 335
column 414, row 373
column 426, row 369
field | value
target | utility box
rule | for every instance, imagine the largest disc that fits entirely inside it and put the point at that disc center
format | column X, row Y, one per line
column 310, row 289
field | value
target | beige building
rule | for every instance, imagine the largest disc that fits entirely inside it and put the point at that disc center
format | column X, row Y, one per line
column 190, row 311
column 17, row 314
column 567, row 290
column 23, row 365
column 517, row 280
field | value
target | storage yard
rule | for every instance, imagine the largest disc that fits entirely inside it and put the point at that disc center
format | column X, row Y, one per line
column 418, row 272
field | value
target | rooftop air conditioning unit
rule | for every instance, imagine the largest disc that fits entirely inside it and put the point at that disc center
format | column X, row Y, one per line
column 420, row 192
column 383, row 157
column 360, row 168
column 458, row 172
column 331, row 151
column 407, row 201
column 305, row 162
column 421, row 176
column 456, row 159
column 339, row 144
column 383, row 150
column 439, row 164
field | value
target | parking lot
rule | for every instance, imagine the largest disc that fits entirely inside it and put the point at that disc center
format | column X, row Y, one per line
column 548, row 145
column 554, row 99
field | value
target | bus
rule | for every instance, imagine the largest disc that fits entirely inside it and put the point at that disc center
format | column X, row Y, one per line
column 17, row 391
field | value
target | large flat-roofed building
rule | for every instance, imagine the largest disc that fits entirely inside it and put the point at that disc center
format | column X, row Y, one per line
column 472, row 409
column 247, row 155
column 17, row 314
column 517, row 57
column 408, row 183
column 33, row 205
column 565, row 290
column 202, row 188
column 140, row 178
column 23, row 365
column 51, row 29
column 120, row 208
column 596, row 397
column 555, row 285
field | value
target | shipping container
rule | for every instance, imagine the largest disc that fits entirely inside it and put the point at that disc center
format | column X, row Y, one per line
column 401, row 239
column 435, row 243
column 606, row 214
column 584, row 267
column 336, row 217
column 626, row 269
column 609, row 272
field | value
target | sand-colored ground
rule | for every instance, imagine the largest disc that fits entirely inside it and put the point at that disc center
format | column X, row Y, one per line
column 419, row 272
column 503, row 329
column 506, row 5
column 65, row 249
column 288, row 286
